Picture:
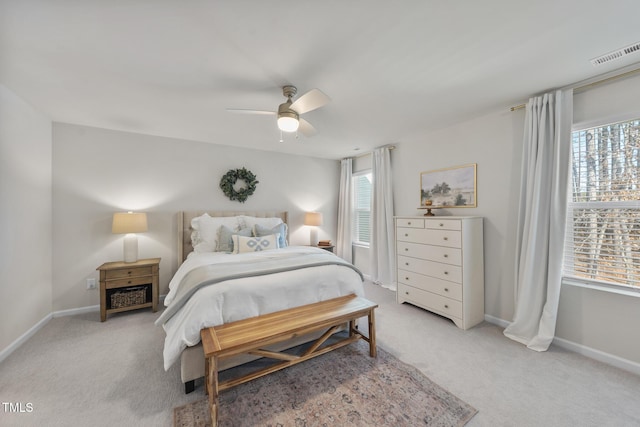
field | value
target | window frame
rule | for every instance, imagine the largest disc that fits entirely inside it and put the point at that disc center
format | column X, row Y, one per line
column 354, row 209
column 618, row 288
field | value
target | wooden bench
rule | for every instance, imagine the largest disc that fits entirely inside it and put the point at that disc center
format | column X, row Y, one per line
column 251, row 335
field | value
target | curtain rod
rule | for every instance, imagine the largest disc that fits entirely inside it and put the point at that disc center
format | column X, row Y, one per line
column 391, row 147
column 589, row 85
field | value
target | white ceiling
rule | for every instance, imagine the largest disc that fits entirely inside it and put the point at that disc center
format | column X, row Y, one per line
column 394, row 69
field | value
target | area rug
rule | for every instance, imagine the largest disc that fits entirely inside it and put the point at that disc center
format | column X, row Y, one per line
column 345, row 387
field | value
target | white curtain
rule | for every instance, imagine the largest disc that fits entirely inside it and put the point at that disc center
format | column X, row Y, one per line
column 541, row 218
column 382, row 233
column 345, row 207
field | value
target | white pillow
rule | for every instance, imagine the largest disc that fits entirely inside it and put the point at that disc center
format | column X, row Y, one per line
column 251, row 221
column 242, row 244
column 204, row 237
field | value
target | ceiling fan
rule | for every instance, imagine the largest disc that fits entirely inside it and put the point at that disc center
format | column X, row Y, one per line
column 289, row 112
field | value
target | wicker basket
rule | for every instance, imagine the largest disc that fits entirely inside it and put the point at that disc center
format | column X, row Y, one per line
column 128, row 297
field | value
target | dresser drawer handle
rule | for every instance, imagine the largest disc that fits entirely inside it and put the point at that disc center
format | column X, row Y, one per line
column 406, row 234
column 446, row 238
column 446, row 289
column 406, row 249
column 406, row 292
column 441, row 225
column 129, row 272
column 446, row 272
column 446, row 255
column 406, row 278
column 446, row 306
column 409, row 222
column 406, row 263
column 129, row 282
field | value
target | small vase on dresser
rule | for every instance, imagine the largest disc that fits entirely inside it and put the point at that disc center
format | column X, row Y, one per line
column 440, row 266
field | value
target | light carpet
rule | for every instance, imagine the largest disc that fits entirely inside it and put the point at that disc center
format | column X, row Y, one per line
column 345, row 387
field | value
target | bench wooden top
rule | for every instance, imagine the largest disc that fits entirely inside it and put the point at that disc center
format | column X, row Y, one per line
column 242, row 335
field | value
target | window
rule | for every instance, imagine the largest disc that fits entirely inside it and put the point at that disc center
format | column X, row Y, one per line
column 362, row 209
column 602, row 242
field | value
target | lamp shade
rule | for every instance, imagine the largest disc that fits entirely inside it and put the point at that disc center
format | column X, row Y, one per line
column 129, row 222
column 313, row 218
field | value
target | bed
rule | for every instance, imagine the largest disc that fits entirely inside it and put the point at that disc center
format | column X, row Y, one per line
column 213, row 286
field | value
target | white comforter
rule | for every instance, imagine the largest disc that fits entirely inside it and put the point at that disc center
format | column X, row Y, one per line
column 251, row 296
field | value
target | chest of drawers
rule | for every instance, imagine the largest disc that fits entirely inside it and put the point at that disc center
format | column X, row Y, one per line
column 440, row 266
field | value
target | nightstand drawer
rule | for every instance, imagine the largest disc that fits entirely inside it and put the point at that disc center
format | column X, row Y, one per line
column 131, row 281
column 128, row 272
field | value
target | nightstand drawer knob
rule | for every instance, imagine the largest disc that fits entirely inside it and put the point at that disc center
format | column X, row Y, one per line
column 406, row 234
column 446, row 272
column 441, row 225
column 406, row 249
column 446, row 306
column 406, row 263
column 129, row 272
column 446, row 238
column 446, row 289
column 406, row 292
column 446, row 256
column 129, row 282
column 406, row 278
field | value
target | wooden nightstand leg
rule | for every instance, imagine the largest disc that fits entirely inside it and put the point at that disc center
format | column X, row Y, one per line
column 103, row 301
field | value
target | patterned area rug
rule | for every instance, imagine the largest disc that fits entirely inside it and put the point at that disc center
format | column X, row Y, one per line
column 344, row 387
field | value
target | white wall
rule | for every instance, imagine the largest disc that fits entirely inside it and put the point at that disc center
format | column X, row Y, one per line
column 25, row 217
column 493, row 142
column 97, row 172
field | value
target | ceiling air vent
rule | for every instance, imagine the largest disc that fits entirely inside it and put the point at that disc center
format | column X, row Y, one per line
column 616, row 54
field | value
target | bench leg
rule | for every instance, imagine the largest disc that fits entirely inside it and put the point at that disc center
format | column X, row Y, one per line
column 211, row 382
column 372, row 335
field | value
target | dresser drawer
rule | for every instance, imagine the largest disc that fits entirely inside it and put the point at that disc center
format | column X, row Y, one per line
column 449, row 238
column 451, row 273
column 410, row 222
column 128, row 272
column 430, row 301
column 443, row 224
column 432, row 253
column 431, row 284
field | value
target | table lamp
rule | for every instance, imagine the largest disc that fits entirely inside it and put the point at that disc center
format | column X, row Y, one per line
column 129, row 223
column 313, row 219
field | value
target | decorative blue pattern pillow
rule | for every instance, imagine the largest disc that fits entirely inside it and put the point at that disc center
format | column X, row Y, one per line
column 225, row 242
column 281, row 229
column 243, row 244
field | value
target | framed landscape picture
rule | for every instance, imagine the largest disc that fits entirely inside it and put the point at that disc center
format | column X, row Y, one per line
column 453, row 187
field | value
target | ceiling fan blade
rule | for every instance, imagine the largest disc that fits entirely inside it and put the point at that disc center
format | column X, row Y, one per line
column 306, row 129
column 241, row 111
column 311, row 100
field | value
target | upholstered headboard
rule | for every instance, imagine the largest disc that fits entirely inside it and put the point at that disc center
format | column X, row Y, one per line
column 184, row 225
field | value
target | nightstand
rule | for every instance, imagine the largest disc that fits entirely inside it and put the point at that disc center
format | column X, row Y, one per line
column 128, row 286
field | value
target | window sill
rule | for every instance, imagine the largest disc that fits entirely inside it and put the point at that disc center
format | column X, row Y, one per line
column 603, row 287
column 361, row 245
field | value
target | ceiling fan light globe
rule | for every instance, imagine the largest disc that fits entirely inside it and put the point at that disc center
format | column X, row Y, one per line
column 288, row 124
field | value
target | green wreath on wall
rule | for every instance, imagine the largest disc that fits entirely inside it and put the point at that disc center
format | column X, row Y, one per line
column 230, row 178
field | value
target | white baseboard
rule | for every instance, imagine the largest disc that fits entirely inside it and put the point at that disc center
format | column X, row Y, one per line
column 496, row 321
column 601, row 356
column 24, row 337
column 592, row 353
column 74, row 311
